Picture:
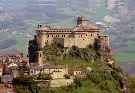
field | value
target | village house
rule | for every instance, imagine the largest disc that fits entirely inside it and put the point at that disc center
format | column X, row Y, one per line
column 76, row 72
column 35, row 70
column 6, row 79
column 56, row 71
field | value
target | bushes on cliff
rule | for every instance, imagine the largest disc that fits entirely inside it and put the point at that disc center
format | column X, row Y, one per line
column 52, row 49
column 24, row 85
column 45, row 76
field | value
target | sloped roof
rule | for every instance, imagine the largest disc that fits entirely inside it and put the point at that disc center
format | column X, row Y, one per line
column 86, row 28
column 55, row 66
column 76, row 28
column 35, row 67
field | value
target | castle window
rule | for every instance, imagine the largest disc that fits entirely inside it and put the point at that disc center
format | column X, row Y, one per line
column 81, row 35
column 40, row 55
column 91, row 34
column 47, row 35
column 97, row 34
column 86, row 34
column 52, row 35
column 62, row 35
column 83, row 39
column 58, row 35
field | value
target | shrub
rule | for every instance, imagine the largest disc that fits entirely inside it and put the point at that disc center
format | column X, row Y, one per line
column 67, row 76
column 45, row 76
column 77, row 82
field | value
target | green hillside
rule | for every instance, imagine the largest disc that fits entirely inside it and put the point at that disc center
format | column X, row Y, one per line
column 103, row 78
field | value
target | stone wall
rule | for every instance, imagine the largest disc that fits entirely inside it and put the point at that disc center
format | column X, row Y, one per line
column 60, row 82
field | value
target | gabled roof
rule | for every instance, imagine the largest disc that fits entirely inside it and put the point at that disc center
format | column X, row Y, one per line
column 85, row 28
column 76, row 28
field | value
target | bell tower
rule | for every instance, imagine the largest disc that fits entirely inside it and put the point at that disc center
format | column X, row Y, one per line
column 40, row 58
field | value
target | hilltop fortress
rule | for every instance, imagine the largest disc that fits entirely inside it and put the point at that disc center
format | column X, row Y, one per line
column 82, row 35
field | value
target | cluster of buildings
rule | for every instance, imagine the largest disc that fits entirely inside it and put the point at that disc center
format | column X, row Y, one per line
column 82, row 35
column 12, row 64
column 9, row 65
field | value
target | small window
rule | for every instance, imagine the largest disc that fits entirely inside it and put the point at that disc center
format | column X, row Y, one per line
column 64, row 35
column 97, row 34
column 83, row 39
column 86, row 34
column 47, row 35
column 58, row 35
column 31, row 71
column 52, row 35
column 81, row 35
column 91, row 34
column 40, row 55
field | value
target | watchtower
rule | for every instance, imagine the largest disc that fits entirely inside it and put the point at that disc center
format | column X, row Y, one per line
column 39, row 58
column 82, row 21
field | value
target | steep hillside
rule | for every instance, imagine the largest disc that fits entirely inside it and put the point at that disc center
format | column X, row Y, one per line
column 101, row 73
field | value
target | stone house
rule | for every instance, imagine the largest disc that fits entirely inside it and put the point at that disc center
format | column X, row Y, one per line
column 14, row 71
column 76, row 72
column 35, row 70
column 11, row 69
column 6, row 79
column 56, row 71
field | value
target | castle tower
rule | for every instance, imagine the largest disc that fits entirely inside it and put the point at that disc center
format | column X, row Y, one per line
column 82, row 21
column 40, row 58
column 40, row 38
column 103, row 40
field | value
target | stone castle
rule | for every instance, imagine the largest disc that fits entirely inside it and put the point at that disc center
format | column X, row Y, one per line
column 82, row 35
